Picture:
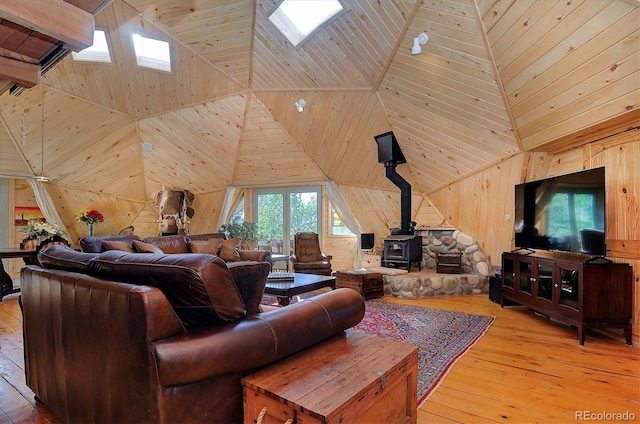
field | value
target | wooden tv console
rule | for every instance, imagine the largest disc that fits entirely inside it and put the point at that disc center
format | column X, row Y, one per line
column 575, row 289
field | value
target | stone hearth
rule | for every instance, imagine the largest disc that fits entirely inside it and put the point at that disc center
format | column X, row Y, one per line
column 473, row 279
column 428, row 283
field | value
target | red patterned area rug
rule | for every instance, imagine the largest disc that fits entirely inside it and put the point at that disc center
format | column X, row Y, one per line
column 442, row 336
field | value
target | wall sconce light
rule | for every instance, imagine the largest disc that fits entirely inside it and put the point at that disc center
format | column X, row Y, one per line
column 300, row 105
column 419, row 40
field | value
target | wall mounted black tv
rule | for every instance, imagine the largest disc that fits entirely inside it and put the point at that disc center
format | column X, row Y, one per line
column 564, row 213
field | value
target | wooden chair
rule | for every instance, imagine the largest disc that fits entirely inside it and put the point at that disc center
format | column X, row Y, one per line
column 126, row 231
column 307, row 257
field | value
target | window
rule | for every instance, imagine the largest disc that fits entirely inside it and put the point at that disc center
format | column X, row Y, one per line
column 337, row 226
column 282, row 212
column 238, row 214
column 97, row 52
column 152, row 54
column 296, row 19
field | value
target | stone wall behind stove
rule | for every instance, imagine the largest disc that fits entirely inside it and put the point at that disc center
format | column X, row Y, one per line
column 475, row 268
column 451, row 240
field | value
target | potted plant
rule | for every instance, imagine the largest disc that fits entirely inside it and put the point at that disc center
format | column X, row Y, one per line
column 41, row 230
column 247, row 231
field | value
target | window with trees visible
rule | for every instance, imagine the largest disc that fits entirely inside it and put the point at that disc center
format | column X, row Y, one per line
column 282, row 212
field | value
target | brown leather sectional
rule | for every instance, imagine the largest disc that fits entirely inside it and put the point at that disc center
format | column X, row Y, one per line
column 135, row 337
column 169, row 244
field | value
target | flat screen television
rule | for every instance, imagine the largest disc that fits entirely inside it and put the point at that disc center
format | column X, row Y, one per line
column 564, row 213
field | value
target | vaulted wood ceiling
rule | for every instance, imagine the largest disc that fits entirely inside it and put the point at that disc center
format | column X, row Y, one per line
column 497, row 77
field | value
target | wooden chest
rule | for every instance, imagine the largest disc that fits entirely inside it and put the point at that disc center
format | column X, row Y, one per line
column 350, row 378
column 448, row 263
column 367, row 283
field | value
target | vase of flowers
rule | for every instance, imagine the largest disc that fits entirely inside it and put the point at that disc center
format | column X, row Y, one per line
column 90, row 217
column 41, row 230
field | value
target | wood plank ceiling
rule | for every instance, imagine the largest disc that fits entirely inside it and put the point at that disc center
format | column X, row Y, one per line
column 495, row 78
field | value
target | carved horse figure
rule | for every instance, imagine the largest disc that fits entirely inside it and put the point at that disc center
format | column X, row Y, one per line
column 174, row 208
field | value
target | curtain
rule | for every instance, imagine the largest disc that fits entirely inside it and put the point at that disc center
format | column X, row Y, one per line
column 227, row 206
column 343, row 211
column 45, row 203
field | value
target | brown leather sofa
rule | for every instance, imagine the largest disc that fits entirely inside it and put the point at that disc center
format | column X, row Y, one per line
column 110, row 337
column 170, row 244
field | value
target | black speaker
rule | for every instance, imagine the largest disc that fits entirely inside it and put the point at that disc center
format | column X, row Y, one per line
column 388, row 148
column 495, row 289
column 367, row 240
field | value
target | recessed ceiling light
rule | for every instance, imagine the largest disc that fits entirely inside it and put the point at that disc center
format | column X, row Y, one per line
column 147, row 147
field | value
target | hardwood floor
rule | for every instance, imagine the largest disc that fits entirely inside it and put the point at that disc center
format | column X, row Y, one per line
column 525, row 369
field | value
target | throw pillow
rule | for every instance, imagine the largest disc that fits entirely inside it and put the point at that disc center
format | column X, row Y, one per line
column 229, row 250
column 117, row 245
column 142, row 247
column 211, row 246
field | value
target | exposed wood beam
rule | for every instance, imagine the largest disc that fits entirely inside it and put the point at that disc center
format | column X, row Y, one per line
column 17, row 56
column 55, row 18
column 25, row 74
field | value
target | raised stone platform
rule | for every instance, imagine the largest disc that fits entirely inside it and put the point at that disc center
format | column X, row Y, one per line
column 428, row 283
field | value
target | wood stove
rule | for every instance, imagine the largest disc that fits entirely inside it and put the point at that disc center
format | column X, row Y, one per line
column 402, row 250
column 402, row 247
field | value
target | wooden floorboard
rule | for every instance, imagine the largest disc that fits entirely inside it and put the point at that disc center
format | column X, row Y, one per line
column 526, row 369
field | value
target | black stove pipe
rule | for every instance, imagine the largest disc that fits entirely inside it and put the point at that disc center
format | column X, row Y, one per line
column 406, row 225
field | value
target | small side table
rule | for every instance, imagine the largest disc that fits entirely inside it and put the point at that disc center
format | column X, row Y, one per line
column 6, row 283
column 368, row 283
column 277, row 257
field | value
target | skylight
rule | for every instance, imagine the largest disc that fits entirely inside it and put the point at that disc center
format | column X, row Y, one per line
column 296, row 19
column 97, row 52
column 152, row 54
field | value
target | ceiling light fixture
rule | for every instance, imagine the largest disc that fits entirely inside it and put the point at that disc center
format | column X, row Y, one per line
column 300, row 104
column 419, row 40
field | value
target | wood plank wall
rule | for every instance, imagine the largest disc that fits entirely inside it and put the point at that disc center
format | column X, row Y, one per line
column 479, row 204
column 21, row 195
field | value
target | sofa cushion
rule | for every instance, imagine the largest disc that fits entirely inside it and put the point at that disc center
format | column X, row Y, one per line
column 211, row 246
column 169, row 244
column 94, row 243
column 58, row 256
column 142, row 247
column 116, row 245
column 229, row 250
column 199, row 287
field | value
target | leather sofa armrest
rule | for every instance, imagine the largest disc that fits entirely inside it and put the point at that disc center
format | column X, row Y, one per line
column 256, row 341
column 250, row 278
column 255, row 255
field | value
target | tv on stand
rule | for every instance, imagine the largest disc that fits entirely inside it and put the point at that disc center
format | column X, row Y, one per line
column 564, row 213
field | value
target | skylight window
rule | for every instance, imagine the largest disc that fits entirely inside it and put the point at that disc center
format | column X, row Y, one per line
column 152, row 54
column 97, row 52
column 296, row 19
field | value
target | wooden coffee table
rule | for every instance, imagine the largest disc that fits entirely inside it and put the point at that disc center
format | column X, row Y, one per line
column 302, row 283
column 350, row 378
